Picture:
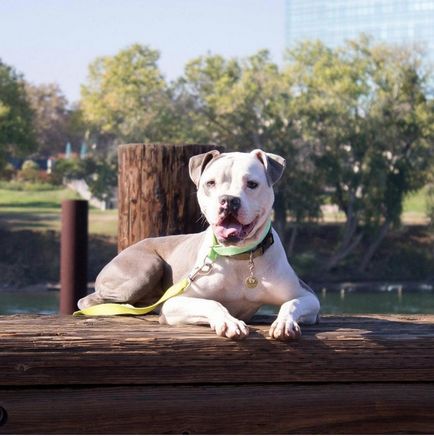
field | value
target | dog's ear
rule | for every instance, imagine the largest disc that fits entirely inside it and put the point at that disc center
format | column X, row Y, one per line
column 273, row 163
column 198, row 163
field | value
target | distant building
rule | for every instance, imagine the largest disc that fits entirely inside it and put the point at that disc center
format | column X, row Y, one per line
column 334, row 21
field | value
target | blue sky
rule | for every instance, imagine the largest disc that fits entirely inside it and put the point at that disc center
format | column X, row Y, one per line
column 55, row 40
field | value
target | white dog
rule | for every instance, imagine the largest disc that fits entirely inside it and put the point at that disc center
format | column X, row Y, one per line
column 237, row 265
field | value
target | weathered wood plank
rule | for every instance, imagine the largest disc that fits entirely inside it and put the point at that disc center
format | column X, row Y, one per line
column 224, row 409
column 112, row 351
column 129, row 171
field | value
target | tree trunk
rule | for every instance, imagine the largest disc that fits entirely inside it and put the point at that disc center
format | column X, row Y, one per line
column 373, row 247
column 342, row 253
column 289, row 245
column 348, row 243
column 280, row 215
column 156, row 195
column 349, row 240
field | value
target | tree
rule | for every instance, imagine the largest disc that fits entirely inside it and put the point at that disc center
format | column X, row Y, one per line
column 363, row 109
column 16, row 116
column 403, row 119
column 101, row 176
column 51, row 117
column 100, row 173
column 77, row 129
column 125, row 95
column 68, row 168
column 245, row 104
column 354, row 124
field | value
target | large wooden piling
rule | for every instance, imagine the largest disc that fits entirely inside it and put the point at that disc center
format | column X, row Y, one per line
column 156, row 196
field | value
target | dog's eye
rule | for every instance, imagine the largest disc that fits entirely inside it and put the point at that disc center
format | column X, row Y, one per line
column 251, row 184
column 210, row 184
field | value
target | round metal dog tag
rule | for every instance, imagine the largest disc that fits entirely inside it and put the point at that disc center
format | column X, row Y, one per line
column 251, row 282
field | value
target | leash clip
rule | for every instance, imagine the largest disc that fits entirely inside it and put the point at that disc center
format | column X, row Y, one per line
column 202, row 270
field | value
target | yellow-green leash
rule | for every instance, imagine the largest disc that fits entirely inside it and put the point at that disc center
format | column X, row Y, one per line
column 109, row 309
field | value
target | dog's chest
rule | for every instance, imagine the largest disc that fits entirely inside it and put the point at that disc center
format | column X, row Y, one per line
column 227, row 282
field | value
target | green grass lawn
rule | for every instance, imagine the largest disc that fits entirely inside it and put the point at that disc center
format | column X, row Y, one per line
column 35, row 200
column 415, row 207
column 40, row 210
column 416, row 202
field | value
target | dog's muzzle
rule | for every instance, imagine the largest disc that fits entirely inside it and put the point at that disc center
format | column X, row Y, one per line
column 228, row 228
column 229, row 204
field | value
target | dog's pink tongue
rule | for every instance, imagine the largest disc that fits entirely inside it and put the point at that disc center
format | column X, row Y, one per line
column 228, row 228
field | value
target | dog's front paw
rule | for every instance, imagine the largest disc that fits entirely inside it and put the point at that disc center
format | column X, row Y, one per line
column 227, row 326
column 285, row 329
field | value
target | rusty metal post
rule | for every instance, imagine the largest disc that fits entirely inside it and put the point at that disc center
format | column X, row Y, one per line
column 73, row 254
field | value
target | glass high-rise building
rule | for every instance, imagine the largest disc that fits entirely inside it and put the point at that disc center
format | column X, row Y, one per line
column 334, row 21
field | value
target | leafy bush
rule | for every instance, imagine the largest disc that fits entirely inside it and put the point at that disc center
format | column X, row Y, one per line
column 67, row 168
column 29, row 165
column 30, row 172
column 100, row 174
column 8, row 172
column 101, row 177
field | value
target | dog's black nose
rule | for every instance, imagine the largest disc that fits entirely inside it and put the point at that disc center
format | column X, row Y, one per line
column 230, row 202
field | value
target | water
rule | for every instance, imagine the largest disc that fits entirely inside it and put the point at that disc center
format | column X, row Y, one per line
column 37, row 302
column 333, row 302
column 393, row 301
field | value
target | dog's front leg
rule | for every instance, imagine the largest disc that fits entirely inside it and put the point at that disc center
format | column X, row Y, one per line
column 304, row 309
column 190, row 310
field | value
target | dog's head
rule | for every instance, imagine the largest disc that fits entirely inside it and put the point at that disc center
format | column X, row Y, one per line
column 235, row 192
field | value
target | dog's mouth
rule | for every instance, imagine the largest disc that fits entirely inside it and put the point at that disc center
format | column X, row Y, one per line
column 229, row 230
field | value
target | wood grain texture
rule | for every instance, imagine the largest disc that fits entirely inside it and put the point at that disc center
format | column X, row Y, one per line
column 126, row 375
column 224, row 409
column 156, row 195
column 53, row 350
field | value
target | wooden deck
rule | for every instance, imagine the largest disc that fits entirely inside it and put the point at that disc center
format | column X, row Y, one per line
column 359, row 374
